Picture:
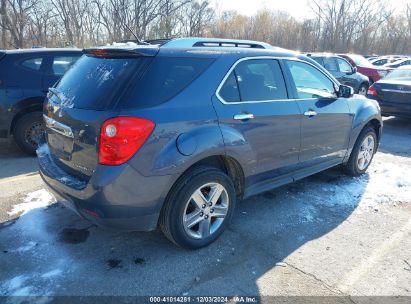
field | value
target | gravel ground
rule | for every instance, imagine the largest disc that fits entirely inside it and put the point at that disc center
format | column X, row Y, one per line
column 327, row 235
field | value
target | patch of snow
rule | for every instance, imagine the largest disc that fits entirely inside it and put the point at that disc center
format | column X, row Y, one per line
column 307, row 214
column 52, row 273
column 17, row 282
column 33, row 200
column 387, row 184
column 15, row 287
column 27, row 247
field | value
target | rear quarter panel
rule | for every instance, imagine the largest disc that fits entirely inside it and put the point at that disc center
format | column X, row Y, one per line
column 187, row 128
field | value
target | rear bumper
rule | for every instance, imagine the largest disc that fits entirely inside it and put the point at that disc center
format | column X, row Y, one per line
column 115, row 197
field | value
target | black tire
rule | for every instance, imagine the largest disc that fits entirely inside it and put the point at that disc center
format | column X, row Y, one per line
column 352, row 166
column 363, row 88
column 174, row 209
column 28, row 132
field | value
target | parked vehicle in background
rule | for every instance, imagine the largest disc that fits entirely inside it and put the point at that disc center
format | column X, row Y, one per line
column 370, row 57
column 343, row 71
column 399, row 63
column 25, row 76
column 383, row 60
column 393, row 93
column 171, row 135
column 365, row 67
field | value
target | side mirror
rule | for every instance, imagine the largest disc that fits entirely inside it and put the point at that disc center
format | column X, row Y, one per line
column 345, row 91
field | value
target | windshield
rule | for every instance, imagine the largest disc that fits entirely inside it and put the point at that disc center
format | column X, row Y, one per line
column 361, row 61
column 400, row 74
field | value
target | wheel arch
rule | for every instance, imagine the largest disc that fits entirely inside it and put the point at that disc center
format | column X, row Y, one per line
column 34, row 107
column 227, row 164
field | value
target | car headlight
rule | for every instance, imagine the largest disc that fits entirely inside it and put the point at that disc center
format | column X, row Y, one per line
column 382, row 73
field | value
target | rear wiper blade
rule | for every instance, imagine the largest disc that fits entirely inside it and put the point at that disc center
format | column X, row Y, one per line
column 64, row 101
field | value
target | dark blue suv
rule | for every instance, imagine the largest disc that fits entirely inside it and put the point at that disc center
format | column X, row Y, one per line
column 25, row 76
column 173, row 134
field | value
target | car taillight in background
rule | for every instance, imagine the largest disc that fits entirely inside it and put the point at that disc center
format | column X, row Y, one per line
column 372, row 91
column 121, row 138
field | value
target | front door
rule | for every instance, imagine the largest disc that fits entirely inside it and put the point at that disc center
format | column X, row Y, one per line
column 326, row 119
column 260, row 125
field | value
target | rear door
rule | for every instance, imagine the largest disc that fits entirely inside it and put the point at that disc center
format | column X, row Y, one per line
column 260, row 124
column 326, row 121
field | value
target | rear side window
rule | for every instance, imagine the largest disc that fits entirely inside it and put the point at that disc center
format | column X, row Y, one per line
column 32, row 63
column 255, row 80
column 94, row 83
column 165, row 78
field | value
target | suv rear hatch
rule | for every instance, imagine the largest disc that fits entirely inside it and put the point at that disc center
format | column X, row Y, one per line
column 84, row 99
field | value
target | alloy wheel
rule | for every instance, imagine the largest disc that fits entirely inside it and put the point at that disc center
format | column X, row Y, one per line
column 366, row 152
column 206, row 210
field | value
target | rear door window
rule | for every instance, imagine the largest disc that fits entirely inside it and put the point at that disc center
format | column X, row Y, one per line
column 95, row 83
column 255, row 80
column 33, row 64
column 165, row 78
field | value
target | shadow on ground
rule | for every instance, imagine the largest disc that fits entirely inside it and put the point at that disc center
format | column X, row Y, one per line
column 14, row 162
column 52, row 251
column 396, row 138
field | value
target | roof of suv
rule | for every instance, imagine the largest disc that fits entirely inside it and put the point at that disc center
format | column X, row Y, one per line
column 205, row 47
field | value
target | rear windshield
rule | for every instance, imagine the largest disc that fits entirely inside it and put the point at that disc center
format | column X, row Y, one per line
column 94, row 83
column 165, row 78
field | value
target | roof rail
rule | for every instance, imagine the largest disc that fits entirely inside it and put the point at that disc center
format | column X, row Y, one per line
column 214, row 42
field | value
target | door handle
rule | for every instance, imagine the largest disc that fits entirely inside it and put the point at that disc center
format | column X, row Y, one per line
column 244, row 116
column 310, row 113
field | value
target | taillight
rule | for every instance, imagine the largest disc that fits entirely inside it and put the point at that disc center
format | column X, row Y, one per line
column 372, row 91
column 121, row 138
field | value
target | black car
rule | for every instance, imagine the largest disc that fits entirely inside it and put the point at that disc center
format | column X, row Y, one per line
column 343, row 71
column 393, row 93
column 25, row 76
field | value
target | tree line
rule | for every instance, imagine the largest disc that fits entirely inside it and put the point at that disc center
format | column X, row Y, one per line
column 362, row 26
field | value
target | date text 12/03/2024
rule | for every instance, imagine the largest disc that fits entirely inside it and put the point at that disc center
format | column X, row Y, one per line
column 201, row 299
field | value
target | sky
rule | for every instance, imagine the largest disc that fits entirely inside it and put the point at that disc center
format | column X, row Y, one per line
column 297, row 8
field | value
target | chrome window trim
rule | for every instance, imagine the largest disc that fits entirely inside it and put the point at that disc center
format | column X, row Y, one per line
column 263, row 101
